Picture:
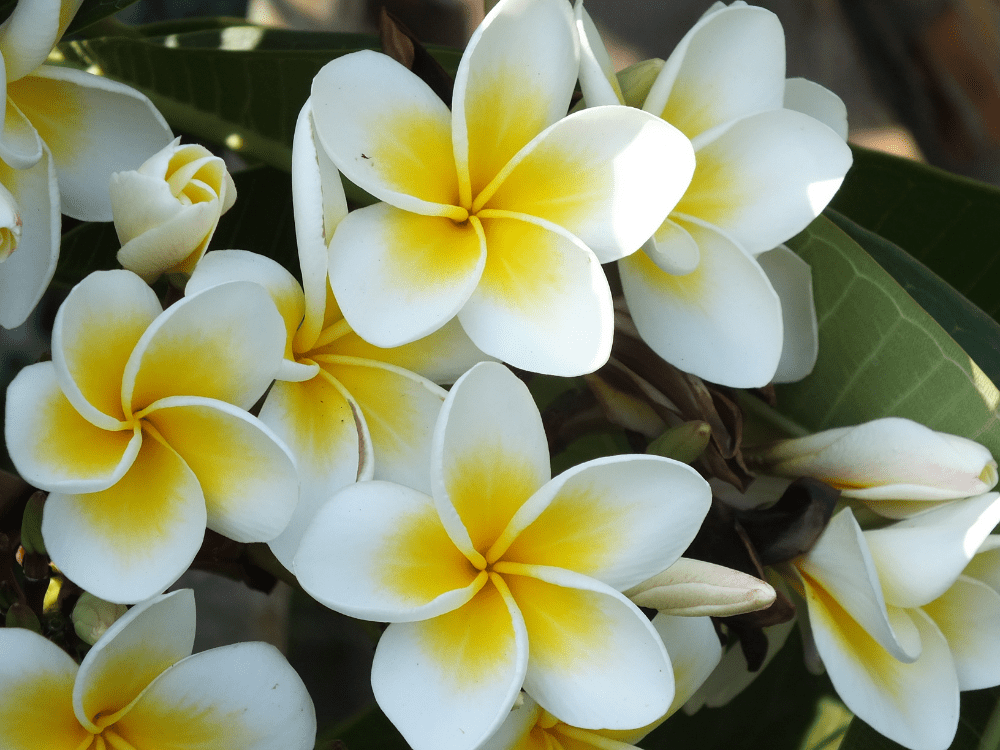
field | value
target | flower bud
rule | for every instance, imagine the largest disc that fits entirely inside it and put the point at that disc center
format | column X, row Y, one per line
column 20, row 616
column 636, row 80
column 10, row 224
column 684, row 443
column 31, row 524
column 696, row 588
column 166, row 211
column 887, row 459
column 93, row 616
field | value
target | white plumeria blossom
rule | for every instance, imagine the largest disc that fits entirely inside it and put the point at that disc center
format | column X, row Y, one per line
column 166, row 211
column 500, row 210
column 501, row 578
column 695, row 650
column 63, row 135
column 897, row 625
column 140, row 688
column 139, row 431
column 896, row 466
column 699, row 294
column 346, row 409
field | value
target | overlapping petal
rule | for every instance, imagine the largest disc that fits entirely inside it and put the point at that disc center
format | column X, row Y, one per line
column 28, row 35
column 20, row 145
column 403, row 565
column 694, row 650
column 489, row 455
column 968, row 615
column 411, row 164
column 514, row 80
column 611, row 519
column 609, row 175
column 95, row 331
column 543, row 302
column 197, row 702
column 450, row 681
column 146, row 640
column 737, row 54
column 721, row 322
column 247, row 476
column 596, row 662
column 919, row 558
column 96, row 542
column 36, row 688
column 791, row 278
column 225, row 343
column 673, row 249
column 817, row 101
column 26, row 273
column 94, row 127
column 597, row 73
column 399, row 276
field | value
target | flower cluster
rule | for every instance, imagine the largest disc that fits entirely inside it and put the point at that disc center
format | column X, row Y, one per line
column 375, row 421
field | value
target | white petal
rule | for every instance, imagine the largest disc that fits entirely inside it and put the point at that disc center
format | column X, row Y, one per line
column 968, row 614
column 28, row 35
column 721, row 322
column 673, row 249
column 919, row 558
column 791, row 278
column 817, row 101
column 597, row 74
column 113, row 128
column 20, row 145
column 694, row 650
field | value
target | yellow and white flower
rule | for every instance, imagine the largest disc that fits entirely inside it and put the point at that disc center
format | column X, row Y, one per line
column 138, row 430
column 63, row 135
column 502, row 578
column 140, row 687
column 166, row 211
column 701, row 293
column 346, row 409
column 500, row 210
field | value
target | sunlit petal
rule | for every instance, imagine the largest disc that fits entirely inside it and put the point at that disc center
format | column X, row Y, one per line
column 515, row 79
column 543, row 303
column 596, row 661
column 95, row 331
column 399, row 276
column 610, row 175
column 490, row 455
column 619, row 519
column 94, row 127
column 247, row 476
column 920, row 557
column 729, row 65
column 146, row 640
column 52, row 446
column 245, row 695
column 673, row 249
column 450, row 681
column 791, row 278
column 410, row 164
column 131, row 541
column 721, row 322
column 968, row 614
column 26, row 273
column 766, row 177
column 36, row 693
column 378, row 551
column 225, row 343
column 598, row 81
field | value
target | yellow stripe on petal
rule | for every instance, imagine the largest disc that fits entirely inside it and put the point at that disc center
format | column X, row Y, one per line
column 50, row 106
column 523, row 268
column 688, row 288
column 714, row 192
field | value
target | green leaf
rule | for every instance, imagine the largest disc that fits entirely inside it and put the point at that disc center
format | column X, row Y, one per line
column 260, row 221
column 978, row 726
column 775, row 712
column 241, row 86
column 880, row 353
column 947, row 222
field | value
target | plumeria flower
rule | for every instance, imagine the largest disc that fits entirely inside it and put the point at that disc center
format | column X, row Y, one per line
column 897, row 625
column 166, row 211
column 501, row 210
column 695, row 651
column 346, row 409
column 138, row 430
column 64, row 133
column 140, row 688
column 502, row 578
column 896, row 466
column 701, row 294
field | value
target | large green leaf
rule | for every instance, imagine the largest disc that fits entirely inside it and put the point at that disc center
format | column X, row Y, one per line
column 239, row 85
column 950, row 223
column 880, row 353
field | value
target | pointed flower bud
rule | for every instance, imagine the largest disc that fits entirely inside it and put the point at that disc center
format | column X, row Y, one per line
column 92, row 616
column 696, row 588
column 166, row 211
column 886, row 459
